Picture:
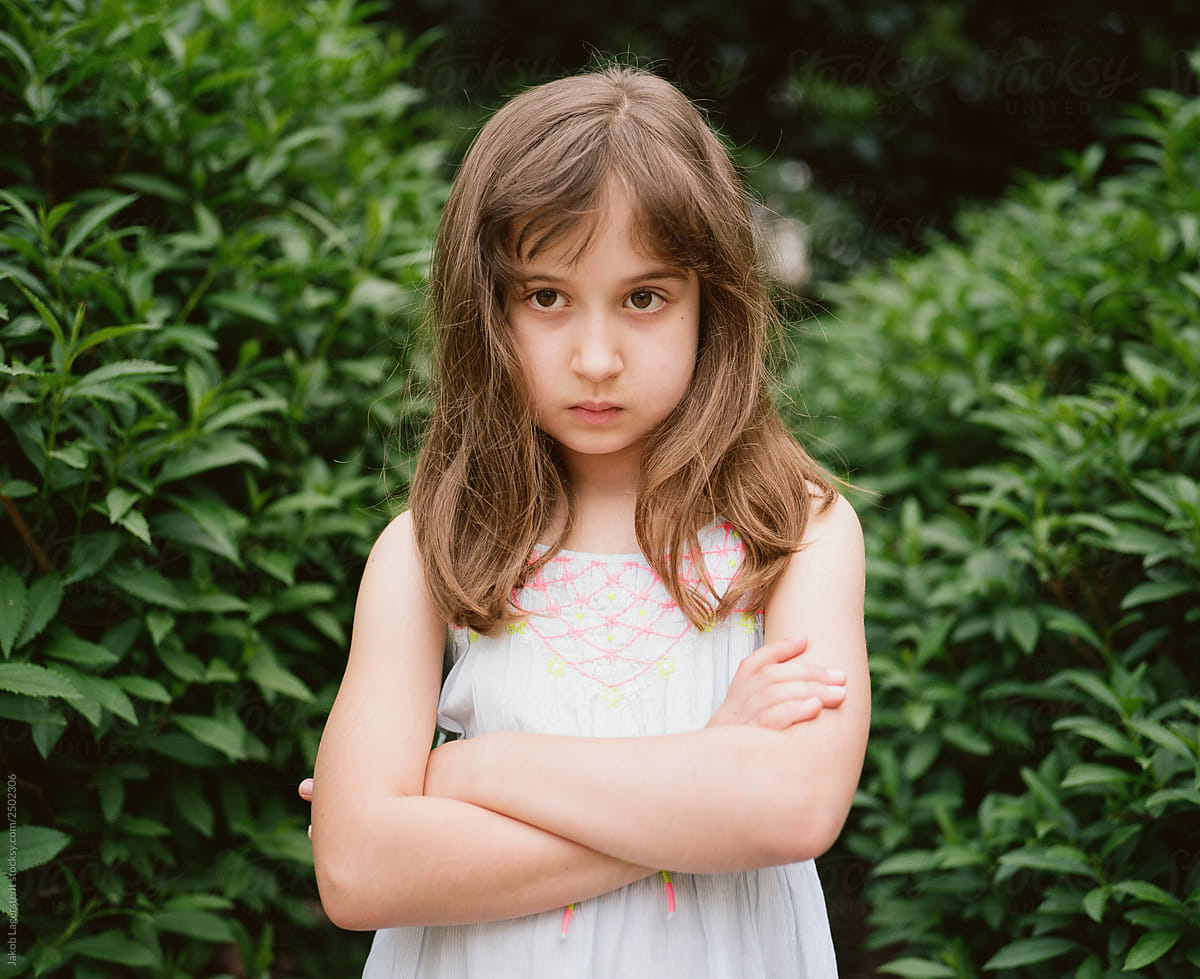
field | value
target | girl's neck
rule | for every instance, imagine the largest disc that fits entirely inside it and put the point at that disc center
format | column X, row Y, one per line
column 604, row 523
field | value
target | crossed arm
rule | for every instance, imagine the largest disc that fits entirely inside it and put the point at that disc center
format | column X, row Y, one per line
column 508, row 823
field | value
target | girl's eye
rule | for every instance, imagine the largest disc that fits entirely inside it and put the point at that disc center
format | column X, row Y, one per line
column 644, row 299
column 545, row 298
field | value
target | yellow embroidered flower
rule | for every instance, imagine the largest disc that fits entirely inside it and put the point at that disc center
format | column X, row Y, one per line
column 747, row 623
column 612, row 696
column 556, row 665
column 515, row 628
column 665, row 666
column 472, row 635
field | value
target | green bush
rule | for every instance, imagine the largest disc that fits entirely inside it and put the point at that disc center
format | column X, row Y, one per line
column 213, row 233
column 1026, row 403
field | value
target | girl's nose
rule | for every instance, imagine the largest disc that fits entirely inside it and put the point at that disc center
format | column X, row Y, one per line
column 597, row 356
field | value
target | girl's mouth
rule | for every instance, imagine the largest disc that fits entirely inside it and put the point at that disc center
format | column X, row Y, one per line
column 595, row 412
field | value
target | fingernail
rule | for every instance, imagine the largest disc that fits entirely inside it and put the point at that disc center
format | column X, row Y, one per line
column 836, row 676
column 310, row 831
column 306, row 785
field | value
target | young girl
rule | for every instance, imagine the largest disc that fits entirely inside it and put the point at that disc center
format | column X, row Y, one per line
column 624, row 556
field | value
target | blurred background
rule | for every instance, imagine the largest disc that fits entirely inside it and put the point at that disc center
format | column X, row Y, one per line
column 983, row 224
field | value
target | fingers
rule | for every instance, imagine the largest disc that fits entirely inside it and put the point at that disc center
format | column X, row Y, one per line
column 305, row 789
column 799, row 670
column 783, row 715
column 776, row 652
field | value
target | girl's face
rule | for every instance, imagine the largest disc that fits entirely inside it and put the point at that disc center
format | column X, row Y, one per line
column 608, row 344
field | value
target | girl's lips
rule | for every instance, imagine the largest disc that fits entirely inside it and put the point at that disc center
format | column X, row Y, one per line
column 597, row 414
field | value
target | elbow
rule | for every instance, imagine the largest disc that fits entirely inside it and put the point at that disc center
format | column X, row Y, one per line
column 340, row 895
column 810, row 832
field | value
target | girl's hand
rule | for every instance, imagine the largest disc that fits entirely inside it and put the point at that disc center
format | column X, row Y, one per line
column 305, row 789
column 774, row 688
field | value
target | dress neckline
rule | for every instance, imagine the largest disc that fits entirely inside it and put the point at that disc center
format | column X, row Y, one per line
column 631, row 556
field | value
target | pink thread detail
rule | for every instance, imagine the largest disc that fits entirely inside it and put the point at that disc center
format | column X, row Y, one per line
column 670, row 893
column 617, row 612
column 566, row 922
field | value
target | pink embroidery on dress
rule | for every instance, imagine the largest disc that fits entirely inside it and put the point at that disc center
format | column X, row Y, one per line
column 612, row 622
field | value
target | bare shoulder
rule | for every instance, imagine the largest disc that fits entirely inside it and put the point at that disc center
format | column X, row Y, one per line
column 394, row 576
column 824, row 580
column 837, row 524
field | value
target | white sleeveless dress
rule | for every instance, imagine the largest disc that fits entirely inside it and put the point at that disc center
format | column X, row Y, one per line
column 605, row 652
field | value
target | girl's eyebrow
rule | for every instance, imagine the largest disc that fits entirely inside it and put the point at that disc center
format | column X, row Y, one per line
column 673, row 273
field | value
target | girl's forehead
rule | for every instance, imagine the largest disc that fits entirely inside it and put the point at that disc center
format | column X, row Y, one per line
column 554, row 233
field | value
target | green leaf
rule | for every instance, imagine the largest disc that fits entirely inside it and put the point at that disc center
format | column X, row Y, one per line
column 908, row 862
column 1094, row 902
column 118, row 501
column 1028, row 951
column 136, row 524
column 1143, row 890
column 280, row 566
column 16, row 489
column 143, row 688
column 36, row 845
column 1157, row 591
column 111, row 791
column 111, row 333
column 212, row 452
column 35, row 681
column 22, row 55
column 192, row 805
column 227, row 736
column 103, row 691
column 183, row 664
column 102, row 377
column 242, row 411
column 1158, row 801
column 918, row 968
column 42, row 310
column 90, row 221
column 90, row 553
column 72, row 649
column 141, row 582
column 45, row 596
column 160, row 624
column 244, row 304
column 202, row 925
column 74, row 455
column 1090, row 684
column 1091, row 774
column 13, row 602
column 214, row 525
column 265, row 670
column 1163, row 737
column 1150, row 948
column 1068, row 623
column 1023, row 625
column 1098, row 731
column 186, row 750
column 112, row 946
column 1056, row 859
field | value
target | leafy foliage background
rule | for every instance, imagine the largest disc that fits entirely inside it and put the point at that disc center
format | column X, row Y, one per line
column 213, row 233
column 214, row 228
column 1026, row 406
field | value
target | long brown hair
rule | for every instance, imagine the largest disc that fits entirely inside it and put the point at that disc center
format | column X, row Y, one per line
column 489, row 482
